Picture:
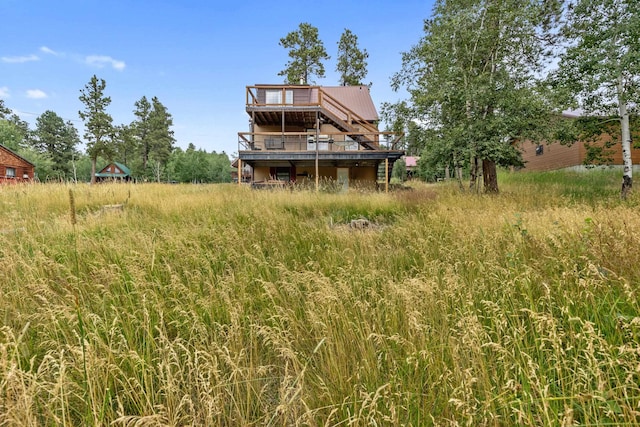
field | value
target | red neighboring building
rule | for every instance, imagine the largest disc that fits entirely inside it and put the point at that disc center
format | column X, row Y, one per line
column 14, row 168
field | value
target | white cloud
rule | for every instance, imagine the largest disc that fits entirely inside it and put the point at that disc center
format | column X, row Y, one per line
column 36, row 94
column 46, row 50
column 19, row 59
column 101, row 60
column 4, row 92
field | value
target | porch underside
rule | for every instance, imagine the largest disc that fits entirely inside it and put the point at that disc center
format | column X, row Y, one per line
column 308, row 158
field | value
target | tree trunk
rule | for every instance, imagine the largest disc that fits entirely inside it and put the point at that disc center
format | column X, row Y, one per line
column 474, row 171
column 457, row 172
column 627, row 176
column 489, row 176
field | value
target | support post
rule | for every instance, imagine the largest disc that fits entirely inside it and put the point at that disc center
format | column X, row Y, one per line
column 239, row 171
column 317, row 137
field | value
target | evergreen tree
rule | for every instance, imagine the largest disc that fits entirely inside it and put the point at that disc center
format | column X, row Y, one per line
column 4, row 111
column 98, row 123
column 126, row 145
column 151, row 136
column 58, row 140
column 352, row 62
column 141, row 129
column 161, row 136
column 306, row 51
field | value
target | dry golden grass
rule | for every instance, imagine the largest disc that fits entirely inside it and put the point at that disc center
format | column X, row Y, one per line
column 218, row 305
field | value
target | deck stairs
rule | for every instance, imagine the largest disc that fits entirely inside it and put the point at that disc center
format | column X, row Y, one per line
column 381, row 177
column 343, row 118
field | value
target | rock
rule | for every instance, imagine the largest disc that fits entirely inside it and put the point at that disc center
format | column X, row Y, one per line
column 360, row 224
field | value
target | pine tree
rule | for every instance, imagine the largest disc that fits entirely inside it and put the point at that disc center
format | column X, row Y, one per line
column 352, row 62
column 58, row 140
column 97, row 122
column 306, row 51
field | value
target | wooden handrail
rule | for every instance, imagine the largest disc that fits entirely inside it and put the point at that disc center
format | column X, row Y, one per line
column 326, row 102
column 345, row 110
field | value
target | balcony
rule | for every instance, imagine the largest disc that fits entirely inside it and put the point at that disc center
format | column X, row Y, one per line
column 306, row 141
column 301, row 107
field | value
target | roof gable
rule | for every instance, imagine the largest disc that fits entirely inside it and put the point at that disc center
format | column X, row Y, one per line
column 14, row 154
column 114, row 169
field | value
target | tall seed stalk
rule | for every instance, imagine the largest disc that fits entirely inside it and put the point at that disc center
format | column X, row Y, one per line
column 74, row 220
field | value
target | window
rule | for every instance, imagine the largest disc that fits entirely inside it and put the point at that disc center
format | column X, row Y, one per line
column 539, row 150
column 283, row 174
column 10, row 173
column 274, row 96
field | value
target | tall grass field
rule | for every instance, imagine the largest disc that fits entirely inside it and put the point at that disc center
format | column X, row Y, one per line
column 218, row 305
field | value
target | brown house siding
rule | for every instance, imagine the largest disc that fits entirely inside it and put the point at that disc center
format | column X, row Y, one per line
column 554, row 156
column 557, row 156
column 8, row 159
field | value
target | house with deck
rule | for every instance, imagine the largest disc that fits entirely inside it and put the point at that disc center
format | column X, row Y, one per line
column 304, row 134
column 14, row 168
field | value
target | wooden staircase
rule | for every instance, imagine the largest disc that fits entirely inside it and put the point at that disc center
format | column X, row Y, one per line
column 381, row 167
column 347, row 120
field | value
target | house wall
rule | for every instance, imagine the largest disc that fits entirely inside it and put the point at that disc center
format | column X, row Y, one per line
column 554, row 156
column 22, row 167
column 558, row 156
column 301, row 96
column 307, row 173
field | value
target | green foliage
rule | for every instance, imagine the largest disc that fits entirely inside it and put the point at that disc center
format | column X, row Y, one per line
column 148, row 141
column 306, row 51
column 11, row 136
column 97, row 122
column 198, row 166
column 46, row 168
column 58, row 140
column 82, row 167
column 160, row 133
column 126, row 144
column 14, row 132
column 599, row 71
column 472, row 80
column 141, row 128
column 4, row 111
column 604, row 41
column 352, row 62
column 399, row 171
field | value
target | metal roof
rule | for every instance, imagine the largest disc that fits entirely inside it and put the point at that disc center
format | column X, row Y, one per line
column 125, row 171
column 356, row 98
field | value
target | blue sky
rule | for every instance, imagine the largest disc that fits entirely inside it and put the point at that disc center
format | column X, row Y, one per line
column 197, row 57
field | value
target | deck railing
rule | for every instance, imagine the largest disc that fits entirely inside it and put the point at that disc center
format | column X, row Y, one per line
column 283, row 96
column 304, row 96
column 305, row 141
